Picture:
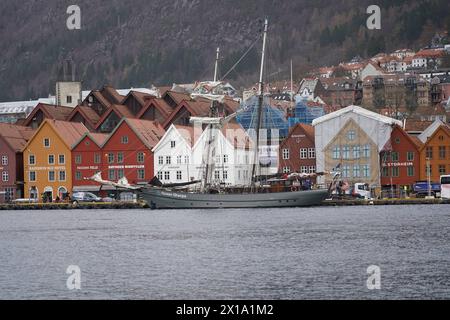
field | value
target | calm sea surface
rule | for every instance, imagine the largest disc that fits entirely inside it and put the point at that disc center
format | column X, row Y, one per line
column 227, row 254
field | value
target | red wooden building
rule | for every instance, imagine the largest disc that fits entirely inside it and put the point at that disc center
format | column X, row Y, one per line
column 400, row 162
column 87, row 160
column 297, row 152
column 12, row 140
column 127, row 150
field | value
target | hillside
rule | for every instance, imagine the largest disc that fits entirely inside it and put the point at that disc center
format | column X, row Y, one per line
column 142, row 42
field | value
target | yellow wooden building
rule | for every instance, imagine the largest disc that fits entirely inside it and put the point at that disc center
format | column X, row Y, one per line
column 47, row 159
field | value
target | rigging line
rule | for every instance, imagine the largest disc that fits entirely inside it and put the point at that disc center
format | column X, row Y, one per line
column 241, row 58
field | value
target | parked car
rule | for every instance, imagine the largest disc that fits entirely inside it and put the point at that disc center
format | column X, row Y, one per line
column 423, row 188
column 85, row 197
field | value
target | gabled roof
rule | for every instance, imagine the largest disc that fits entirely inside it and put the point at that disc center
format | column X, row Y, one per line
column 177, row 97
column 87, row 113
column 429, row 132
column 69, row 132
column 159, row 104
column 115, row 97
column 149, row 132
column 187, row 133
column 97, row 138
column 414, row 140
column 97, row 94
column 50, row 112
column 414, row 125
column 15, row 136
column 197, row 108
column 119, row 109
column 357, row 110
column 141, row 97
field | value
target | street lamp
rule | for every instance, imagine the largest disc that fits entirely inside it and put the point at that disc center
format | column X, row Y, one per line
column 429, row 176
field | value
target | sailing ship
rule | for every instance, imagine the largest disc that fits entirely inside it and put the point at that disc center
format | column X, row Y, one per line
column 209, row 195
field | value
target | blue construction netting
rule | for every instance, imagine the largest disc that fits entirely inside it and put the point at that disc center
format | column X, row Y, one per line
column 272, row 118
column 303, row 113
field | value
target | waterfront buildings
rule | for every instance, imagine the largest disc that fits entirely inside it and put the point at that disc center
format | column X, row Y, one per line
column 12, row 140
column 298, row 150
column 351, row 139
column 47, row 159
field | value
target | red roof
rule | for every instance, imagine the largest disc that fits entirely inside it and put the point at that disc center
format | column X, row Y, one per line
column 50, row 112
column 159, row 104
column 121, row 111
column 15, row 136
column 306, row 128
column 69, row 132
column 87, row 113
column 414, row 125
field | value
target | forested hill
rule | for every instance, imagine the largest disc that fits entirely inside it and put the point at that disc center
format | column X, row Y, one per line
column 143, row 42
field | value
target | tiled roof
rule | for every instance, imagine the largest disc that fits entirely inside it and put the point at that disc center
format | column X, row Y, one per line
column 88, row 114
column 150, row 132
column 50, row 112
column 121, row 111
column 69, row 132
column 16, row 136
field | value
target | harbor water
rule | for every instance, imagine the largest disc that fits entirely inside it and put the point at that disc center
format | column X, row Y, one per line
column 298, row 253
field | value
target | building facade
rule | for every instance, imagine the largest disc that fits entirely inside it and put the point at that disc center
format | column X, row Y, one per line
column 350, row 140
column 47, row 160
column 400, row 162
column 298, row 151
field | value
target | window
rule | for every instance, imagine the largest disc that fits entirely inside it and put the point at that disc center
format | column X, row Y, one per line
column 441, row 169
column 442, row 152
column 217, row 175
column 110, row 157
column 395, row 156
column 303, row 153
column 173, row 144
column 112, row 174
column 32, row 176
column 51, row 159
column 78, row 159
column 395, row 171
column 351, row 135
column 286, row 169
column 397, row 140
column 97, row 158
column 120, row 157
column 410, row 171
column 78, row 175
column 179, row 175
column 167, row 175
column 141, row 174
column 346, row 152
column 410, row 156
column 160, row 175
column 366, row 171
column 124, row 139
column 31, row 159
column 346, row 171
column 62, row 159
column 311, row 153
column 120, row 174
column 336, row 153
column 366, row 151
column 225, row 175
column 178, row 159
column 356, row 152
column 4, row 160
column 356, row 171
column 140, row 157
column 160, row 160
column 225, row 158
column 312, row 169
column 429, row 152
column 51, row 176
column 304, row 169
column 62, row 175
column 385, row 172
column 186, row 159
column 46, row 142
column 168, row 160
column 5, row 176
column 69, row 99
column 285, row 154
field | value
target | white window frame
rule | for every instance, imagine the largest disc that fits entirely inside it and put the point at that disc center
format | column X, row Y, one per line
column 54, row 176
column 286, row 154
column 29, row 159
column 29, row 176
column 304, row 153
column 59, row 175
column 5, row 160
column 63, row 157
column 5, row 176
column 311, row 153
column 43, row 142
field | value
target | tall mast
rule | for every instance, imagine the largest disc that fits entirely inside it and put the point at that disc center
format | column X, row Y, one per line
column 260, row 104
column 210, row 146
column 292, row 85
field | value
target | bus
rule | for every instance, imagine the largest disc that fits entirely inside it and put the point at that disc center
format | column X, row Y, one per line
column 445, row 187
